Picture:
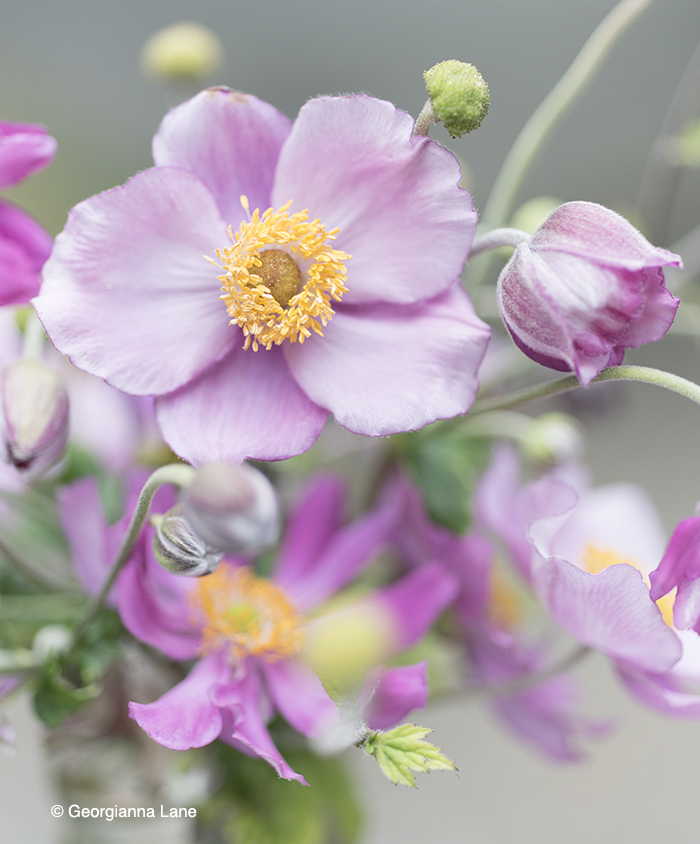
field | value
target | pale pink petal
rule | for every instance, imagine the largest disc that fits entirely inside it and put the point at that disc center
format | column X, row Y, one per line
column 382, row 369
column 231, row 140
column 24, row 246
column 247, row 405
column 299, row 696
column 352, row 161
column 610, row 611
column 128, row 294
column 83, row 521
column 186, row 716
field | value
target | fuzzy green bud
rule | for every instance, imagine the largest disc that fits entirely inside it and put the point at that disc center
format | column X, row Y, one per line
column 459, row 95
column 179, row 549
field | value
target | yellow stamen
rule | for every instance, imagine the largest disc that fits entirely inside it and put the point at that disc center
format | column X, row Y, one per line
column 505, row 604
column 269, row 309
column 597, row 559
column 248, row 615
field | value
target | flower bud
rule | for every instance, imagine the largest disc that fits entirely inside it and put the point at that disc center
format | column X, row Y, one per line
column 233, row 508
column 554, row 436
column 586, row 287
column 53, row 640
column 182, row 52
column 35, row 411
column 179, row 549
column 459, row 95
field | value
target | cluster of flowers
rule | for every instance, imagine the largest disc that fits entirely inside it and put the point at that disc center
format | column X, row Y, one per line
column 338, row 294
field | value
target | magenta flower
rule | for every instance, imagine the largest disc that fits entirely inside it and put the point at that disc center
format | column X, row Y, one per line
column 249, row 631
column 497, row 648
column 586, row 287
column 349, row 293
column 24, row 244
column 680, row 569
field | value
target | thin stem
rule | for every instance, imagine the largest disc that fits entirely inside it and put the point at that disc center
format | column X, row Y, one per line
column 44, row 580
column 425, row 120
column 179, row 474
column 660, row 179
column 643, row 374
column 34, row 338
column 496, row 238
column 552, row 108
column 521, row 684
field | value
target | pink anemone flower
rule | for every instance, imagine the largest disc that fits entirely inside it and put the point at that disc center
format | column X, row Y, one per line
column 24, row 245
column 339, row 292
column 249, row 631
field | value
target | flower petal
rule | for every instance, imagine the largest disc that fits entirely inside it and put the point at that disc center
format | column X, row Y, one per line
column 399, row 691
column 247, row 405
column 350, row 550
column 299, row 696
column 25, row 148
column 384, row 369
column 414, row 602
column 231, row 140
column 610, row 611
column 352, row 161
column 244, row 724
column 128, row 294
column 310, row 527
column 596, row 233
column 186, row 716
column 24, row 247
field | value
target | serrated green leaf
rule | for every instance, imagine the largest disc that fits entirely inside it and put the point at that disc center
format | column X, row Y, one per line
column 402, row 750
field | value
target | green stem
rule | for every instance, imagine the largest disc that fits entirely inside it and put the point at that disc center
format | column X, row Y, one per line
column 425, row 120
column 643, row 374
column 34, row 338
column 179, row 474
column 43, row 579
column 552, row 108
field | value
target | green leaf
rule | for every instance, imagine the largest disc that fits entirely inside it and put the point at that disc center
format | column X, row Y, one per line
column 403, row 750
column 445, row 465
column 55, row 698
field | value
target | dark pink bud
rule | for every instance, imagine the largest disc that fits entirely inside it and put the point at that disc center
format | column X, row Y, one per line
column 586, row 287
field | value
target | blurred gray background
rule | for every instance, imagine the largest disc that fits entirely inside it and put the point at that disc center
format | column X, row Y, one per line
column 73, row 65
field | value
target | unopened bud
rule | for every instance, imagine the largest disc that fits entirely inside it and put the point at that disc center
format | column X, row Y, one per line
column 233, row 508
column 52, row 641
column 554, row 436
column 182, row 52
column 459, row 95
column 179, row 549
column 35, row 410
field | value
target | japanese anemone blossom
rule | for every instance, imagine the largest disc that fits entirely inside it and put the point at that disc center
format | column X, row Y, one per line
column 340, row 289
column 584, row 288
column 24, row 245
column 249, row 631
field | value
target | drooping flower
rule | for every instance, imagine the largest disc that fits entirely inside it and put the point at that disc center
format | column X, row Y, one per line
column 680, row 569
column 585, row 287
column 24, row 245
column 344, row 277
column 249, row 631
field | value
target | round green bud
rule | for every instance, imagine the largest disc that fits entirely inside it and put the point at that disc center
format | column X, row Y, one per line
column 185, row 51
column 459, row 95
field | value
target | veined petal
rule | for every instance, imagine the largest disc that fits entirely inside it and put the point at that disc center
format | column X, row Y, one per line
column 610, row 611
column 352, row 161
column 247, row 405
column 186, row 716
column 231, row 140
column 384, row 369
column 128, row 294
